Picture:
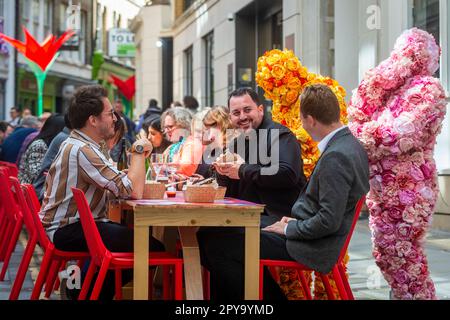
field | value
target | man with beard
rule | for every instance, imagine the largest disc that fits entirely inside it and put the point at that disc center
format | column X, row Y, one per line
column 80, row 163
column 266, row 169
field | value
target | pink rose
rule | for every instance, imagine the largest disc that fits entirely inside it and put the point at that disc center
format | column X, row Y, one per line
column 416, row 173
column 427, row 193
column 409, row 216
column 415, row 287
column 407, row 197
column 401, row 277
column 404, row 125
column 387, row 137
column 388, row 177
column 403, row 231
column 388, row 163
column 427, row 170
column 395, row 213
column 406, row 144
column 403, row 248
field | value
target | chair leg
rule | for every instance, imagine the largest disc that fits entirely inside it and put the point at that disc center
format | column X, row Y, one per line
column 348, row 289
column 261, row 281
column 150, row 284
column 328, row 288
column 100, row 279
column 43, row 271
column 339, row 284
column 23, row 268
column 10, row 248
column 178, row 281
column 58, row 281
column 166, row 282
column 304, row 283
column 9, row 228
column 118, row 284
column 87, row 281
column 205, row 279
column 52, row 275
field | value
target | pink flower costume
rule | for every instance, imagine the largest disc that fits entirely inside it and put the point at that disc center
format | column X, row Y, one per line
column 396, row 113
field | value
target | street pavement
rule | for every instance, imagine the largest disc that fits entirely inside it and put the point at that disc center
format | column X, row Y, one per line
column 365, row 278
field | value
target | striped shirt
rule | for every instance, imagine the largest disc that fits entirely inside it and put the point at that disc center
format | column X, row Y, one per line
column 80, row 163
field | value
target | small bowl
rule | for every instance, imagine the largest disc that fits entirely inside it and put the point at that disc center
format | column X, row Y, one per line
column 203, row 194
column 220, row 193
column 154, row 190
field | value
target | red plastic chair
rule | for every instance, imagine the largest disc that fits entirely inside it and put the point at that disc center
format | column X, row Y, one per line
column 106, row 260
column 13, row 171
column 12, row 222
column 53, row 260
column 337, row 273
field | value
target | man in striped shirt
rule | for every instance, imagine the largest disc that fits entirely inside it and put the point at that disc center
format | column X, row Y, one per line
column 81, row 163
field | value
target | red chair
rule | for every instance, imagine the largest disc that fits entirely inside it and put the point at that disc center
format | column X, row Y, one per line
column 13, row 171
column 12, row 222
column 337, row 273
column 53, row 260
column 106, row 260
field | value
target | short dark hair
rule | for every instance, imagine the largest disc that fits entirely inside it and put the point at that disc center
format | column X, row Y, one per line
column 17, row 109
column 3, row 126
column 190, row 102
column 87, row 101
column 153, row 103
column 154, row 123
column 242, row 92
column 320, row 102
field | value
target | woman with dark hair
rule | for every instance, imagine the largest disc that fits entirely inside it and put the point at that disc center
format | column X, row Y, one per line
column 31, row 161
column 154, row 132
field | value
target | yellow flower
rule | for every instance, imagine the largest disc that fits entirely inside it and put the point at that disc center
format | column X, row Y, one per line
column 291, row 97
column 294, row 84
column 292, row 64
column 278, row 71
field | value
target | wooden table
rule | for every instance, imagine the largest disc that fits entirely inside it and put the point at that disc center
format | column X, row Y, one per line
column 188, row 216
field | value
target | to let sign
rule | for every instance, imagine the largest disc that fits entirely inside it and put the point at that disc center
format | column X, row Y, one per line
column 121, row 43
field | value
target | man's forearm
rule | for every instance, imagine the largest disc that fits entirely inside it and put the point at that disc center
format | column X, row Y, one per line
column 136, row 174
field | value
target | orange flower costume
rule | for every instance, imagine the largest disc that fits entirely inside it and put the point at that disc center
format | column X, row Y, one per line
column 283, row 79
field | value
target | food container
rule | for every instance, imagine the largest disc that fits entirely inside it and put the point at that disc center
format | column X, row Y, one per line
column 154, row 190
column 204, row 194
column 220, row 193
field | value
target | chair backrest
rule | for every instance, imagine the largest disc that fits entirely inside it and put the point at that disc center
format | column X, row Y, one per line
column 358, row 208
column 13, row 171
column 11, row 211
column 23, row 205
column 33, row 205
column 97, row 248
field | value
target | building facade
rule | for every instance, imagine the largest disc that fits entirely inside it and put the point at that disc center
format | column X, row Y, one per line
column 7, row 58
column 73, row 66
column 112, row 15
column 216, row 45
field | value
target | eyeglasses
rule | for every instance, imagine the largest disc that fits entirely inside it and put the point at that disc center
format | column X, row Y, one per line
column 168, row 128
column 110, row 113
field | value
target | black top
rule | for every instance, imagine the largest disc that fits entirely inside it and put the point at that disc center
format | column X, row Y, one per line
column 279, row 189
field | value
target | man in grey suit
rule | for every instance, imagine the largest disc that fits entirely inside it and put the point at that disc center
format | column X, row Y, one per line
column 321, row 216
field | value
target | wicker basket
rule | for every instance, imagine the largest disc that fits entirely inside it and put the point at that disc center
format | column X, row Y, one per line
column 220, row 193
column 204, row 194
column 154, row 190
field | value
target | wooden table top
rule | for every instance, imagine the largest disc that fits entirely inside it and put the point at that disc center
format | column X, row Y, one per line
column 178, row 202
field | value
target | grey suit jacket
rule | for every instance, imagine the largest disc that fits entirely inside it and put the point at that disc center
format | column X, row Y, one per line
column 325, row 210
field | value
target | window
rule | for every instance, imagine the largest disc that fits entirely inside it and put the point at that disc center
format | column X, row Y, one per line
column 327, row 56
column 426, row 17
column 48, row 13
column 187, row 4
column 209, row 70
column 188, row 72
column 99, row 28
column 2, row 6
column 25, row 17
column 35, row 26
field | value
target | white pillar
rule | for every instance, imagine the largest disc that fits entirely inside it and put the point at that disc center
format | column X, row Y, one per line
column 10, row 86
column 347, row 44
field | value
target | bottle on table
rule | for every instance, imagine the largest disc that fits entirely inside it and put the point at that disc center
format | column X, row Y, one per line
column 122, row 164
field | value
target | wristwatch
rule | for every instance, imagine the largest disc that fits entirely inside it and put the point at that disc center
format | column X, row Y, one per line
column 137, row 148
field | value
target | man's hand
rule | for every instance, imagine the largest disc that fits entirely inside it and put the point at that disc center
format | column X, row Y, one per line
column 148, row 147
column 229, row 169
column 280, row 226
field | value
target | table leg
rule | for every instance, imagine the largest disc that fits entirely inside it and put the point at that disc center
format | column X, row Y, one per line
column 192, row 267
column 141, row 249
column 252, row 263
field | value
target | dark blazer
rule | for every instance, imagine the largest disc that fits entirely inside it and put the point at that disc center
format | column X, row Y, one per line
column 325, row 210
column 277, row 191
